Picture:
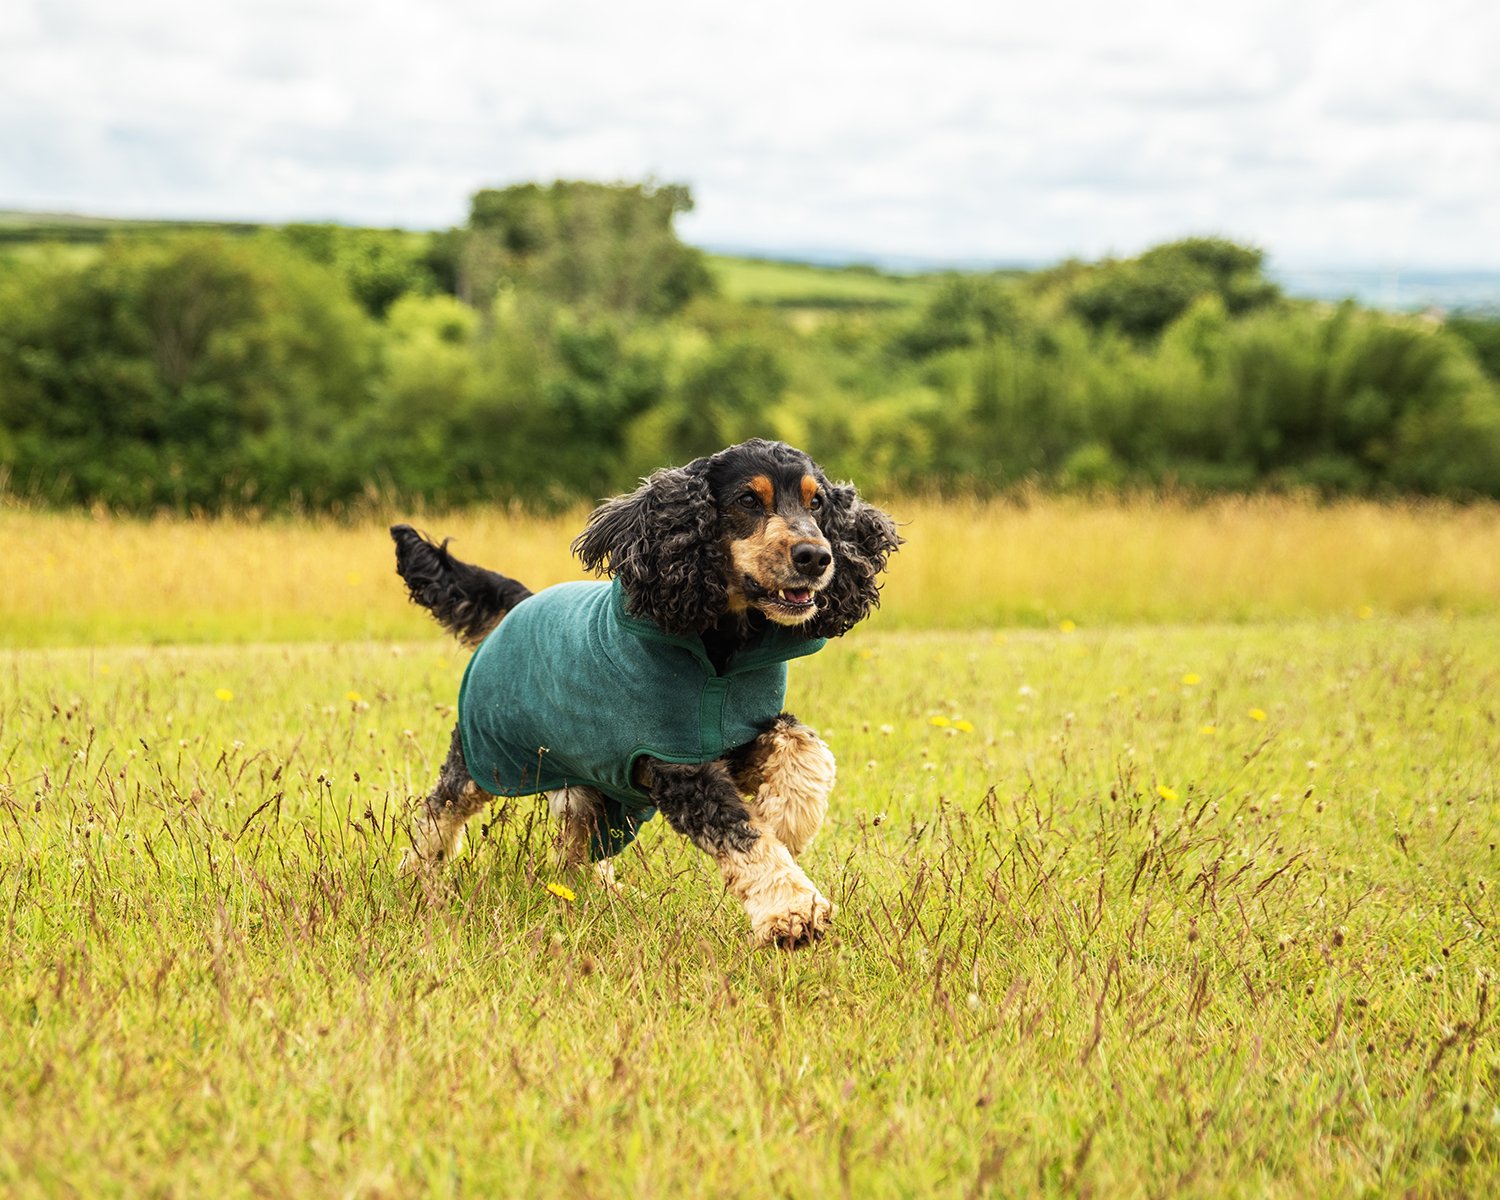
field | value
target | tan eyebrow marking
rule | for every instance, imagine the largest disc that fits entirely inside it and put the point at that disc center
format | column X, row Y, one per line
column 809, row 490
column 763, row 488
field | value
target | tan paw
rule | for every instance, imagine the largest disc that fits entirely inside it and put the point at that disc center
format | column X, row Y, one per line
column 802, row 919
column 411, row 864
column 604, row 876
column 433, row 843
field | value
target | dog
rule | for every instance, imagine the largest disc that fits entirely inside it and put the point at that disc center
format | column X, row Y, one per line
column 660, row 688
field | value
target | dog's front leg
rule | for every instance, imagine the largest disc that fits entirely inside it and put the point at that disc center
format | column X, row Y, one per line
column 702, row 803
column 580, row 813
column 788, row 772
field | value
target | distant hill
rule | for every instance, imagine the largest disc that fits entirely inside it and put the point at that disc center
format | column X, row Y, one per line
column 837, row 279
column 751, row 280
column 21, row 227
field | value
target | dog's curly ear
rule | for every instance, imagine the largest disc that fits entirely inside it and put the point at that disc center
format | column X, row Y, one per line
column 862, row 538
column 661, row 543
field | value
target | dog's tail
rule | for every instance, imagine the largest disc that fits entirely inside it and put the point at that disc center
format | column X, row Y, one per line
column 468, row 601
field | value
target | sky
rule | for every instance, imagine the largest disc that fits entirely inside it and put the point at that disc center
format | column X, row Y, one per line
column 1332, row 134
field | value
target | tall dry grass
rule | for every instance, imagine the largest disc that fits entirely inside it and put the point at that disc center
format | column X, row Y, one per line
column 76, row 578
column 1153, row 560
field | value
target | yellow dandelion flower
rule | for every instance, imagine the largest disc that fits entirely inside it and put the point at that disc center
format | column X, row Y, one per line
column 964, row 726
column 866, row 655
column 1066, row 626
column 562, row 892
column 223, row 694
column 353, row 697
column 443, row 664
column 355, row 578
column 104, row 668
column 1364, row 612
column 940, row 722
column 1165, row 792
column 1192, row 680
column 1208, row 729
column 1257, row 714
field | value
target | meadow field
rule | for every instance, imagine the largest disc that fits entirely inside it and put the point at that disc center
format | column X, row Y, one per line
column 1165, row 848
column 801, row 285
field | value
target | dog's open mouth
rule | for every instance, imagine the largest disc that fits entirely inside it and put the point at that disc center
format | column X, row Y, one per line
column 789, row 605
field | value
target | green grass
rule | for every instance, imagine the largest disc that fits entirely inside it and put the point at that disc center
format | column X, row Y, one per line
column 1127, row 935
column 803, row 285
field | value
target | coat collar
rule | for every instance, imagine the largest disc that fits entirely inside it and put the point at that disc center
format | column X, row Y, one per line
column 774, row 644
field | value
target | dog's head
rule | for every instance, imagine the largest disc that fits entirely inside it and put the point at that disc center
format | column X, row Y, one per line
column 757, row 526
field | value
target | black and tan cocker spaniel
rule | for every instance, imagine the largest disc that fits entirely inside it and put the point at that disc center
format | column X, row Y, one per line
column 662, row 688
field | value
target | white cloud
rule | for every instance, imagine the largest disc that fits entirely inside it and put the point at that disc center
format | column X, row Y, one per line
column 1338, row 133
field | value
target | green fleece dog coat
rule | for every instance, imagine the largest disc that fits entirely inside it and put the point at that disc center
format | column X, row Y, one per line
column 571, row 689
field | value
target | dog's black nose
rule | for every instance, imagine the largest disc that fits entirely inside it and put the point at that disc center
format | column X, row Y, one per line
column 811, row 558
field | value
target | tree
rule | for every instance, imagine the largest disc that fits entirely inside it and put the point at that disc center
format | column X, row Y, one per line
column 1142, row 296
column 966, row 310
column 593, row 246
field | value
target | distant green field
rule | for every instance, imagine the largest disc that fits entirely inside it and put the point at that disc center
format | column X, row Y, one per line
column 803, row 285
column 19, row 228
column 749, row 280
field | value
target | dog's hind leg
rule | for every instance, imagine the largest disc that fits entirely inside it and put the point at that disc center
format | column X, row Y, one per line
column 437, row 831
column 580, row 814
column 788, row 773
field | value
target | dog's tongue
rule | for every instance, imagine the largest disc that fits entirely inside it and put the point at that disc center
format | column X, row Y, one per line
column 797, row 595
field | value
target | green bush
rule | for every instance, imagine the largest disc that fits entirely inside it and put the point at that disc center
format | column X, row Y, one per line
column 1481, row 332
column 1142, row 296
column 180, row 374
column 308, row 365
column 378, row 266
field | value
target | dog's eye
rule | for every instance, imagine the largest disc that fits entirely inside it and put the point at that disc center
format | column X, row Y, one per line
column 815, row 503
column 749, row 500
